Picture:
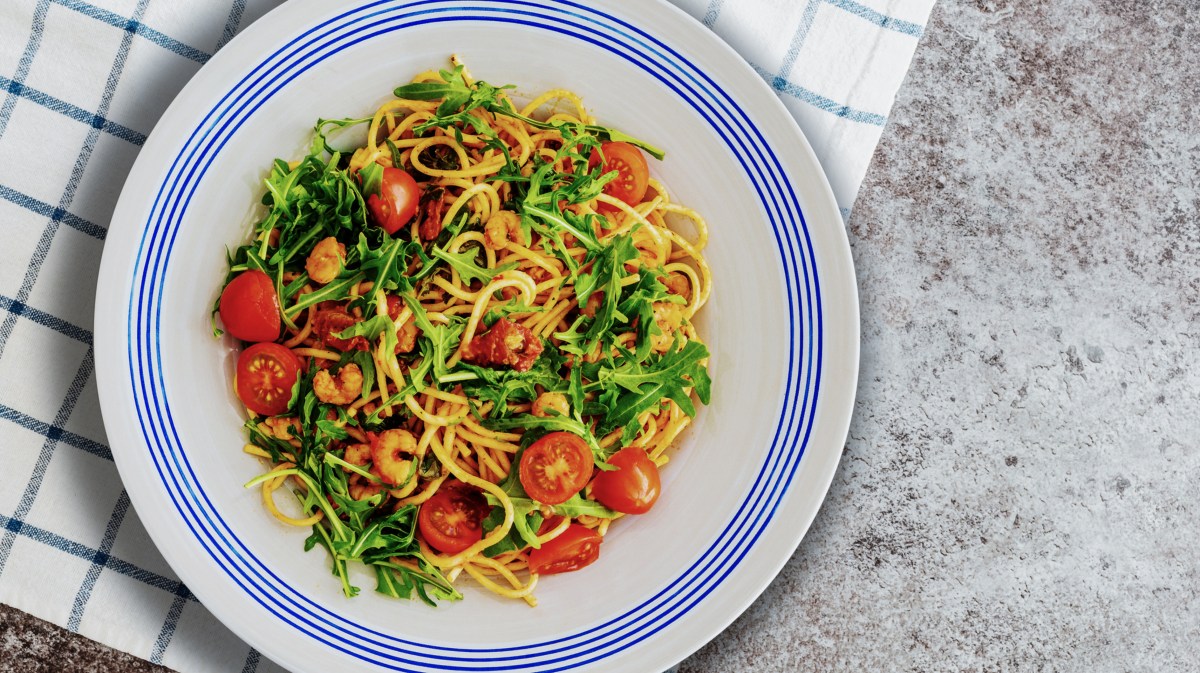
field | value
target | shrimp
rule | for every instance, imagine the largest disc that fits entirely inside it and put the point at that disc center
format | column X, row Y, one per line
column 551, row 402
column 406, row 337
column 325, row 261
column 342, row 390
column 280, row 426
column 357, row 454
column 668, row 317
column 502, row 227
column 677, row 283
column 359, row 487
column 387, row 464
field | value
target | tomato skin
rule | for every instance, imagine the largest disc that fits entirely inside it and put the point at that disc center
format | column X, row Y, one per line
column 452, row 519
column 577, row 547
column 265, row 375
column 396, row 203
column 633, row 487
column 556, row 467
column 395, row 306
column 633, row 174
column 249, row 307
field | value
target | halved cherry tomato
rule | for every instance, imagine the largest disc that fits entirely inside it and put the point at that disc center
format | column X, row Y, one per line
column 330, row 321
column 250, row 308
column 578, row 546
column 452, row 519
column 556, row 467
column 633, row 487
column 266, row 373
column 396, row 203
column 633, row 174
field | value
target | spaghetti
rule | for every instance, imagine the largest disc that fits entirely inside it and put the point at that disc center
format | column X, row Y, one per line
column 470, row 339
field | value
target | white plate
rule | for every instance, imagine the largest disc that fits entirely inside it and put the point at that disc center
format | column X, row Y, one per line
column 744, row 484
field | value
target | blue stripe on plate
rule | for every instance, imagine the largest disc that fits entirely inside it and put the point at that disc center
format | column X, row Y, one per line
column 777, row 473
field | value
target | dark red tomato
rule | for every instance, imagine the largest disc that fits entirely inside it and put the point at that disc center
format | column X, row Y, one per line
column 250, row 308
column 633, row 487
column 395, row 305
column 266, row 373
column 549, row 524
column 452, row 519
column 505, row 344
column 396, row 203
column 633, row 174
column 577, row 547
column 331, row 321
column 556, row 467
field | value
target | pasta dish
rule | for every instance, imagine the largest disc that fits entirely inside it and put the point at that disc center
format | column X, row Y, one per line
column 467, row 342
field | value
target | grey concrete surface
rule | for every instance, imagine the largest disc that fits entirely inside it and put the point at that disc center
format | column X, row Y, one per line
column 1021, row 486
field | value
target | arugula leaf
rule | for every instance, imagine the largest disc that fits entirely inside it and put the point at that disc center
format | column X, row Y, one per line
column 643, row 385
column 321, row 136
column 385, row 266
column 511, row 307
column 606, row 275
column 464, row 262
column 526, row 520
column 372, row 178
column 438, row 342
column 372, row 328
column 577, row 505
column 456, row 94
column 501, row 386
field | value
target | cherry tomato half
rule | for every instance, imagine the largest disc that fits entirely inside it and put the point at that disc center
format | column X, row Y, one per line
column 397, row 200
column 578, row 546
column 633, row 174
column 633, row 487
column 266, row 373
column 452, row 519
column 250, row 308
column 556, row 467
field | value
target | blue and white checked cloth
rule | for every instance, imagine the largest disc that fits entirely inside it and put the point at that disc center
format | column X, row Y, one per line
column 82, row 83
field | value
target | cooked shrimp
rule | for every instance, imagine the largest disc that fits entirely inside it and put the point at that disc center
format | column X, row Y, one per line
column 385, row 456
column 325, row 261
column 502, row 227
column 406, row 337
column 361, row 488
column 677, row 283
column 280, row 426
column 357, row 454
column 358, row 486
column 668, row 317
column 342, row 390
column 551, row 402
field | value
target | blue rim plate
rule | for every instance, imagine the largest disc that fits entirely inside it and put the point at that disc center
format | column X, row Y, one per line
column 742, row 488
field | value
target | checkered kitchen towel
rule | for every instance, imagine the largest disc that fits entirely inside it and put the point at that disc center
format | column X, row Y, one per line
column 82, row 83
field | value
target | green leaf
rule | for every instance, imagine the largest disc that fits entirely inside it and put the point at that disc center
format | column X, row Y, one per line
column 501, row 386
column 577, row 505
column 526, row 521
column 464, row 262
column 372, row 178
column 372, row 329
column 645, row 385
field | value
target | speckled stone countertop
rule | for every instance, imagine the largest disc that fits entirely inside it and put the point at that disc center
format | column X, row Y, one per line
column 1021, row 485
